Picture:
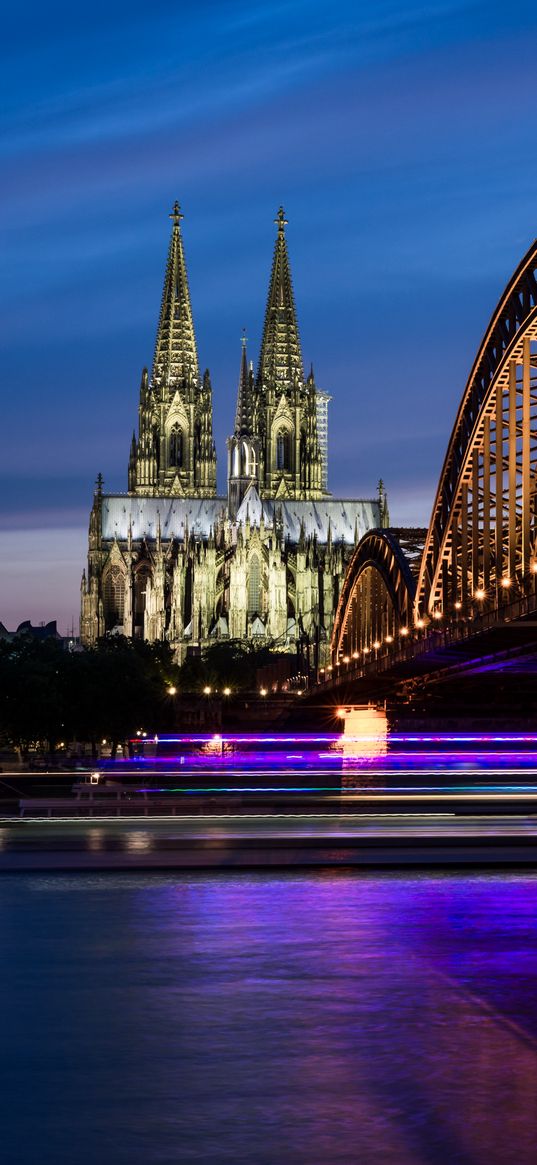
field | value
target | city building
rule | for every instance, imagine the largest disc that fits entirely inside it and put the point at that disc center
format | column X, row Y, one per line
column 171, row 559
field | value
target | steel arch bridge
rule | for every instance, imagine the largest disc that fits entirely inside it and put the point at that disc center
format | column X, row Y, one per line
column 480, row 550
column 378, row 592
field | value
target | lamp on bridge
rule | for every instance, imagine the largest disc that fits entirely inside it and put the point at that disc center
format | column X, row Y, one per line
column 479, row 594
column 404, row 631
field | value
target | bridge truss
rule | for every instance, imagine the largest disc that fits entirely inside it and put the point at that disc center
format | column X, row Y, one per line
column 481, row 538
column 480, row 551
column 377, row 596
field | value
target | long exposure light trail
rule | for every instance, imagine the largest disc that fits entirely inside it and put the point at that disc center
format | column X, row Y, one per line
column 333, row 737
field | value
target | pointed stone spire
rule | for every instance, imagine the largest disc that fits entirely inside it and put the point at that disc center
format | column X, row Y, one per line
column 243, row 415
column 280, row 361
column 176, row 359
column 383, row 505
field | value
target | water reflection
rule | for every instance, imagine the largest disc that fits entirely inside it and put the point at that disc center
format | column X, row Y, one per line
column 311, row 1019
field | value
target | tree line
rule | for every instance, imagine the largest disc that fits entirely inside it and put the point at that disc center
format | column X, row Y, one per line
column 50, row 696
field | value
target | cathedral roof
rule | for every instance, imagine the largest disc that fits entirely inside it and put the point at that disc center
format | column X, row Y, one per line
column 196, row 515
column 251, row 508
column 176, row 358
column 280, row 361
column 344, row 519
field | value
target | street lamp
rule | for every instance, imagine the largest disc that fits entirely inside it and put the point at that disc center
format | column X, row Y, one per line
column 207, row 691
column 227, row 691
column 172, row 691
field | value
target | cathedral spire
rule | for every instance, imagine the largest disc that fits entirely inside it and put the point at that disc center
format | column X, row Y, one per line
column 280, row 361
column 243, row 446
column 175, row 362
column 243, row 415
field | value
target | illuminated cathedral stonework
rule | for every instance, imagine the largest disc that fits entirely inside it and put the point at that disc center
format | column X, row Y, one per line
column 171, row 559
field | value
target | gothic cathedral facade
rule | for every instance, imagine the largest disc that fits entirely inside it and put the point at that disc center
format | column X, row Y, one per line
column 171, row 559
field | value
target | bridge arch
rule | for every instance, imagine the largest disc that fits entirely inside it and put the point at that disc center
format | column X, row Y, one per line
column 481, row 539
column 377, row 595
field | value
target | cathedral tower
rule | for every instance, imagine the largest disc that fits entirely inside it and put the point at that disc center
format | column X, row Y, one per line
column 172, row 561
column 285, row 405
column 174, row 454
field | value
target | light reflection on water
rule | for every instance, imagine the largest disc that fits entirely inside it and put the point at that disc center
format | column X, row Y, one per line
column 319, row 1019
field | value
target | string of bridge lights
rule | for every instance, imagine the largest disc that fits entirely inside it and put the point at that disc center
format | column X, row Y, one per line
column 479, row 595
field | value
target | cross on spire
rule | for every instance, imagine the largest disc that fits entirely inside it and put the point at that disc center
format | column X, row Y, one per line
column 176, row 214
column 281, row 220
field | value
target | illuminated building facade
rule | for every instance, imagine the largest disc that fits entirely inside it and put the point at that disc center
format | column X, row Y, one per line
column 171, row 559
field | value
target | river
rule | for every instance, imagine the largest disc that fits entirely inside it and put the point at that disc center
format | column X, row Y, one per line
column 268, row 1018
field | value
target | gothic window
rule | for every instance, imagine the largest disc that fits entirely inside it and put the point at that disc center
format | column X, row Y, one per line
column 140, row 587
column 156, row 445
column 283, row 450
column 176, row 447
column 254, row 586
column 114, row 596
column 248, row 468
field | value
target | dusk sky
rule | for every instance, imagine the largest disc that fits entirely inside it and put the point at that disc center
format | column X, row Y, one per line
column 400, row 139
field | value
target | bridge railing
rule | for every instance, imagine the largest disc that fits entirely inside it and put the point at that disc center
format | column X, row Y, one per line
column 422, row 642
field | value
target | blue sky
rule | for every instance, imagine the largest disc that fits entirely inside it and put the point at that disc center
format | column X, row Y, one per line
column 399, row 137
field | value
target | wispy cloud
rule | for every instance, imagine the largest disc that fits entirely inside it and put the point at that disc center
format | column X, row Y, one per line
column 399, row 135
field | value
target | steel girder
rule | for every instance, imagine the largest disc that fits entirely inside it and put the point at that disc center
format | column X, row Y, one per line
column 482, row 526
column 379, row 557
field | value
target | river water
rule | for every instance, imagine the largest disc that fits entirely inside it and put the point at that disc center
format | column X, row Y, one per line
column 268, row 1019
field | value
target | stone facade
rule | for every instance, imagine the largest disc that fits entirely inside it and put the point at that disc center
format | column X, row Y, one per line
column 173, row 560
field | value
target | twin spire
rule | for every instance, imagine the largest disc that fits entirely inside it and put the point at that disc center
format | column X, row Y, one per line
column 175, row 363
column 280, row 360
column 276, row 416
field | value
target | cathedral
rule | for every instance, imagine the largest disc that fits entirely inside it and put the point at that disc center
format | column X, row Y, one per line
column 171, row 558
